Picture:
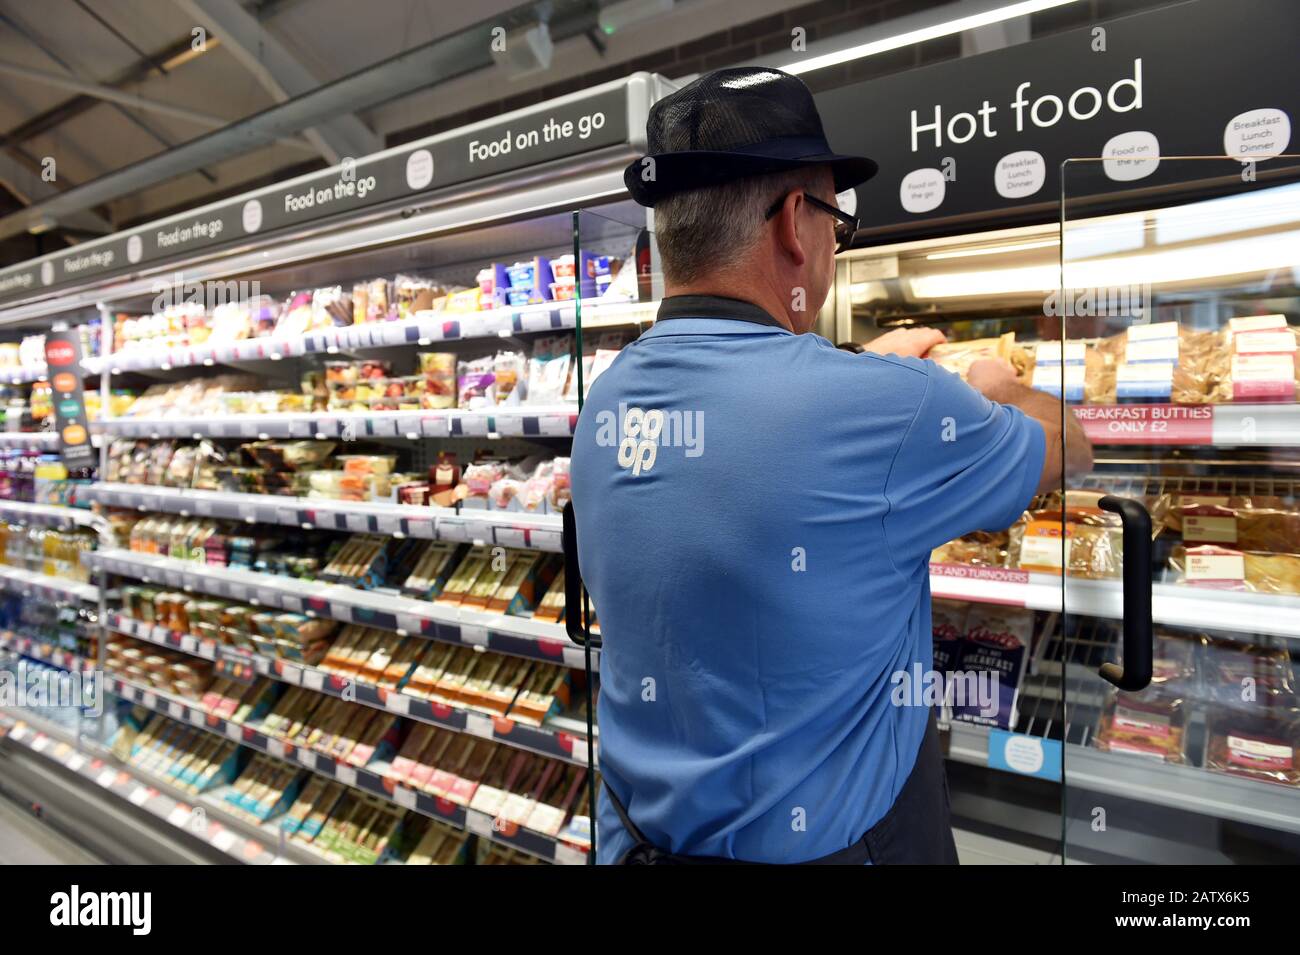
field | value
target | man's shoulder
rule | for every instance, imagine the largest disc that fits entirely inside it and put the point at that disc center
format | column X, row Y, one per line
column 810, row 359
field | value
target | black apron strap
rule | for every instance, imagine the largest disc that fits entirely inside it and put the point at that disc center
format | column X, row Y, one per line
column 915, row 831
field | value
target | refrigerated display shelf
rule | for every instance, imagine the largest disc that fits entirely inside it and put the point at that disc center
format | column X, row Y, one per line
column 520, row 636
column 49, row 514
column 524, row 421
column 28, row 439
column 25, row 374
column 426, row 328
column 43, row 651
column 236, row 838
column 1223, row 425
column 30, row 583
column 507, row 528
column 560, row 745
column 1174, row 605
column 1190, row 788
column 506, row 833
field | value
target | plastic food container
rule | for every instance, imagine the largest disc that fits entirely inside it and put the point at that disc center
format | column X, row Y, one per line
column 522, row 275
column 562, row 267
column 562, row 292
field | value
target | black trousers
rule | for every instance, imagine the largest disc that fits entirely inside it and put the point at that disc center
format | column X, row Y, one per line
column 917, row 830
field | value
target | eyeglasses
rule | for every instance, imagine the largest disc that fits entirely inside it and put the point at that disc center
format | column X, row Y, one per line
column 845, row 225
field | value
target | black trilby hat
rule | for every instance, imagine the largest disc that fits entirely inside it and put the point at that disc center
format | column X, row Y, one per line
column 733, row 123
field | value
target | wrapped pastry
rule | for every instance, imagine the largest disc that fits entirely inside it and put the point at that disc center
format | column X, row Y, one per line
column 1229, row 569
column 957, row 357
column 980, row 549
column 1093, row 542
column 1247, row 522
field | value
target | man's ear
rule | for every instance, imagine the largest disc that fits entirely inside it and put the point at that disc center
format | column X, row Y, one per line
column 787, row 228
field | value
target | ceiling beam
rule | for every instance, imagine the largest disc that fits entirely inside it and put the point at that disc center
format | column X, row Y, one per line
column 170, row 57
column 419, row 67
column 110, row 95
column 280, row 74
column 30, row 188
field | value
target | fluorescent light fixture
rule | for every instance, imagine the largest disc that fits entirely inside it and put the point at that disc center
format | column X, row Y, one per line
column 1237, row 213
column 1008, row 12
column 42, row 225
column 1035, row 278
column 995, row 249
column 1218, row 260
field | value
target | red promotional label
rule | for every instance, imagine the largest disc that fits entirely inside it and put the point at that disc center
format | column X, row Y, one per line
column 59, row 353
column 1147, row 424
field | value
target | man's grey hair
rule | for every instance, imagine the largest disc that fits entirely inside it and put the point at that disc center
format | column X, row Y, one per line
column 704, row 230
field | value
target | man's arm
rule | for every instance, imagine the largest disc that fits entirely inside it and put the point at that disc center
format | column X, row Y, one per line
column 996, row 380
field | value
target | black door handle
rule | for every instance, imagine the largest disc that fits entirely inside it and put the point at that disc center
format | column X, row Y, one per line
column 574, row 617
column 1135, row 671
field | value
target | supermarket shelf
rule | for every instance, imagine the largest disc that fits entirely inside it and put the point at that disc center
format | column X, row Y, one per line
column 508, row 834
column 426, row 328
column 50, row 514
column 524, row 421
column 25, row 374
column 1174, row 605
column 28, row 439
column 520, row 636
column 1189, row 788
column 559, row 745
column 29, row 583
column 41, row 650
column 1227, row 425
column 507, row 528
column 234, row 837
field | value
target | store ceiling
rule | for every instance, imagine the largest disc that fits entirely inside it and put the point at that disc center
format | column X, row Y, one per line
column 98, row 85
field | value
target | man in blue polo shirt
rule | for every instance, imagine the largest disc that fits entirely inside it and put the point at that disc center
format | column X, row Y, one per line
column 755, row 511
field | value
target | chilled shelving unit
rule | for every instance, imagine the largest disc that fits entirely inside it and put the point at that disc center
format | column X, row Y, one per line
column 508, row 213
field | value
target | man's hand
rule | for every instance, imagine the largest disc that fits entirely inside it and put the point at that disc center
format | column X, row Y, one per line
column 907, row 342
column 995, row 379
column 992, row 377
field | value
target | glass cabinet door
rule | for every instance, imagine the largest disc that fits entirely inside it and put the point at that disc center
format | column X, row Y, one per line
column 1179, row 293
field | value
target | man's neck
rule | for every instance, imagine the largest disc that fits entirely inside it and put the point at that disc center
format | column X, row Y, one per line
column 756, row 294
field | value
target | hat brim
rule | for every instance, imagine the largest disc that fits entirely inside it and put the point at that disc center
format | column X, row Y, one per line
column 669, row 173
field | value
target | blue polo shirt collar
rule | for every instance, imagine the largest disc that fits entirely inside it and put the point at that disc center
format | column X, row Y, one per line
column 711, row 315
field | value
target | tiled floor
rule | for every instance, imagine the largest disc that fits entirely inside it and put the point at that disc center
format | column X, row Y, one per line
column 976, row 849
column 25, row 840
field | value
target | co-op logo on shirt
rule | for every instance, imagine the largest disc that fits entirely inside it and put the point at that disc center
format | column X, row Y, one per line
column 639, row 433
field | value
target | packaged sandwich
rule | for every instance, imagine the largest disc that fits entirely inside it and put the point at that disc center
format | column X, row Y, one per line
column 1259, row 745
column 1256, row 360
column 1151, row 723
